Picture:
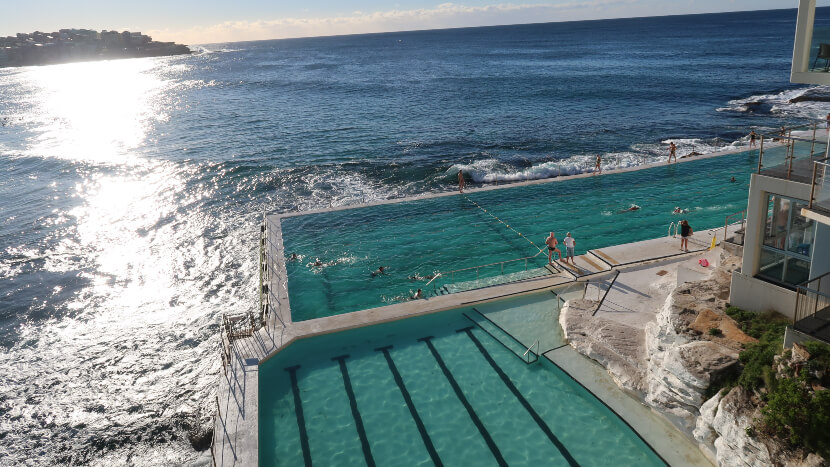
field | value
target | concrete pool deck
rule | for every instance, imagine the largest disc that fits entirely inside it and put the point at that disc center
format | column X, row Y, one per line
column 236, row 427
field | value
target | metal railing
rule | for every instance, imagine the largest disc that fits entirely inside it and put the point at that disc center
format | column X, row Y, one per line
column 785, row 169
column 743, row 223
column 675, row 225
column 477, row 269
column 811, row 299
column 527, row 359
column 608, row 289
column 820, row 186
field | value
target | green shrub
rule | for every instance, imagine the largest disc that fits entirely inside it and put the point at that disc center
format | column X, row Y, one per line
column 715, row 332
column 797, row 415
column 757, row 358
column 819, row 360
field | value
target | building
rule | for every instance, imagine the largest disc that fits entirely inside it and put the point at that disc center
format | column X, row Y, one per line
column 786, row 253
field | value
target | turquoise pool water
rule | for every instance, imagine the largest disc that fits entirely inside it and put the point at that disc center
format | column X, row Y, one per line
column 441, row 234
column 456, row 398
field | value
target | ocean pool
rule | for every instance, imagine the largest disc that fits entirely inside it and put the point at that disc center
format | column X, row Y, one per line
column 415, row 239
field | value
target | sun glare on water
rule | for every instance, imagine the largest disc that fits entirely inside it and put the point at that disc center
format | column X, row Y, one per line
column 96, row 111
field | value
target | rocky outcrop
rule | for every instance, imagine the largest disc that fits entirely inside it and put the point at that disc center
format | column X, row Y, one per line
column 619, row 348
column 672, row 363
column 682, row 364
column 722, row 430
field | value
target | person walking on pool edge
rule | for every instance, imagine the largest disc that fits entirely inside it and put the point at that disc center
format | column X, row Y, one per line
column 569, row 248
column 460, row 181
column 598, row 165
column 551, row 242
column 672, row 152
column 751, row 139
column 685, row 233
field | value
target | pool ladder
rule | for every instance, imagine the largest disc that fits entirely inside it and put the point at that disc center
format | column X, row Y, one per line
column 676, row 226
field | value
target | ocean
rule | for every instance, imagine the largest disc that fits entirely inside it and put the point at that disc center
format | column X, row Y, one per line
column 133, row 190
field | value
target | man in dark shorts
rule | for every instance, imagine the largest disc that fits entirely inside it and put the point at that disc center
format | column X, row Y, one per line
column 685, row 233
column 672, row 152
column 551, row 242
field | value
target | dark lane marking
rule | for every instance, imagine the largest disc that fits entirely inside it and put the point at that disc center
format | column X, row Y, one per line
column 538, row 419
column 409, row 404
column 481, row 429
column 298, row 410
column 358, row 421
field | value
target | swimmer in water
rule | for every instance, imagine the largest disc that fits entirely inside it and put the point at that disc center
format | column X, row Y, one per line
column 677, row 210
column 633, row 207
column 381, row 270
column 732, row 180
column 293, row 257
column 418, row 295
column 317, row 263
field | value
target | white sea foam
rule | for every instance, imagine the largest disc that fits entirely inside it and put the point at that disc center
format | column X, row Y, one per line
column 781, row 103
column 492, row 170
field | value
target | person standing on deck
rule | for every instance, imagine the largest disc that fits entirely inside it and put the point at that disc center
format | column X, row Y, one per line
column 570, row 243
column 672, row 152
column 685, row 233
column 751, row 139
column 828, row 122
column 551, row 242
column 598, row 165
column 460, row 181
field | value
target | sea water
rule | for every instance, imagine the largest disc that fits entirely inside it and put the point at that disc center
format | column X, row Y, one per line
column 132, row 190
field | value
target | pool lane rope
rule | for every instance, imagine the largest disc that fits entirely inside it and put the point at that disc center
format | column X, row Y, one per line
column 502, row 222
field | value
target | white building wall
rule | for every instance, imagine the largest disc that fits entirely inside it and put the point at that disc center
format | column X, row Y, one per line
column 760, row 296
column 746, row 291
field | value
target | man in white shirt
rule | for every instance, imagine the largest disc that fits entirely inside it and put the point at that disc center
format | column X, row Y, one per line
column 569, row 248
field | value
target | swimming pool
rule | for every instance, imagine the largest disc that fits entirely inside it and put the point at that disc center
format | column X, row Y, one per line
column 417, row 238
column 435, row 389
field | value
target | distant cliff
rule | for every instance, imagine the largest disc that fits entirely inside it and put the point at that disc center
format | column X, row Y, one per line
column 75, row 45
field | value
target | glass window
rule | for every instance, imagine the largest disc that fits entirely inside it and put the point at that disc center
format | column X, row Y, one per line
column 772, row 265
column 787, row 242
column 778, row 215
column 778, row 267
column 800, row 238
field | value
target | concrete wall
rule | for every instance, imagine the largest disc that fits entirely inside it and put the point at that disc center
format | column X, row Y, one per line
column 756, row 295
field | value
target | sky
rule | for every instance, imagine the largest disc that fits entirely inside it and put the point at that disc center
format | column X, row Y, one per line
column 213, row 21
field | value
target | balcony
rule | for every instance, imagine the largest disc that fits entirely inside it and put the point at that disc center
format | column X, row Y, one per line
column 812, row 308
column 790, row 154
column 819, row 207
column 811, row 50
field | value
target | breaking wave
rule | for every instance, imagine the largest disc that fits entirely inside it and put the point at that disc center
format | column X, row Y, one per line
column 802, row 102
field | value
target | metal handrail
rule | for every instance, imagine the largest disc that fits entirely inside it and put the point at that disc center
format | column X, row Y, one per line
column 535, row 344
column 675, row 225
column 606, row 292
column 826, row 164
column 726, row 221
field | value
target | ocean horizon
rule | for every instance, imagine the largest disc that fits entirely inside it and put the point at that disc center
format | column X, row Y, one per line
column 134, row 188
